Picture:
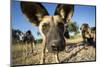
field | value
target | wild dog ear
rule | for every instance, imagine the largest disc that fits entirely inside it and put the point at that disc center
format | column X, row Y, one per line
column 33, row 11
column 84, row 25
column 81, row 27
column 65, row 11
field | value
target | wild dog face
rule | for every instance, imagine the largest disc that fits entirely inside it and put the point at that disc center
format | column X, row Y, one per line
column 85, row 31
column 52, row 28
column 88, row 33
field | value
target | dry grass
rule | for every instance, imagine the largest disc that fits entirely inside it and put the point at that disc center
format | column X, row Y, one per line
column 22, row 55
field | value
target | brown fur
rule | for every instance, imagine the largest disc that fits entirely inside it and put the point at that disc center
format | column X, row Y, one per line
column 50, row 27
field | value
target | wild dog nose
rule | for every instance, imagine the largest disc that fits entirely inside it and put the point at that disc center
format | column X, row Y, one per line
column 58, row 45
column 53, row 45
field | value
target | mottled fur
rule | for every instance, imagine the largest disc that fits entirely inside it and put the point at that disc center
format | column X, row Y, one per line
column 51, row 28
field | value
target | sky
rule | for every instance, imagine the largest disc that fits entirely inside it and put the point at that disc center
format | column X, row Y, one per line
column 82, row 14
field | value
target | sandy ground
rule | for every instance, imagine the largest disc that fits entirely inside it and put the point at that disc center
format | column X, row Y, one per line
column 75, row 52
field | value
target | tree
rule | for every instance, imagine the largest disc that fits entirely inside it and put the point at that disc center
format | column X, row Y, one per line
column 71, row 27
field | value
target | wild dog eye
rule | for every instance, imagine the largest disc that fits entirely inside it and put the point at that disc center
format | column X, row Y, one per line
column 45, row 27
column 61, row 26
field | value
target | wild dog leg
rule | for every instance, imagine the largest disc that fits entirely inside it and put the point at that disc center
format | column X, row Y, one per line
column 56, row 57
column 42, row 59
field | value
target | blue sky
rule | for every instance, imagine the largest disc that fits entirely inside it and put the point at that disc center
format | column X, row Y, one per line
column 82, row 14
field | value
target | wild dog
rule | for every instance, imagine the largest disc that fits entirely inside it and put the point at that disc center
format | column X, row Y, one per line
column 29, row 39
column 17, row 36
column 88, row 34
column 51, row 28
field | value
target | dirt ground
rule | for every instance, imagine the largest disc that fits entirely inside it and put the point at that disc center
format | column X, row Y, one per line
column 75, row 51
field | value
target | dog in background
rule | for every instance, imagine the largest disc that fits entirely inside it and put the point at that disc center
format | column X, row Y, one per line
column 88, row 34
